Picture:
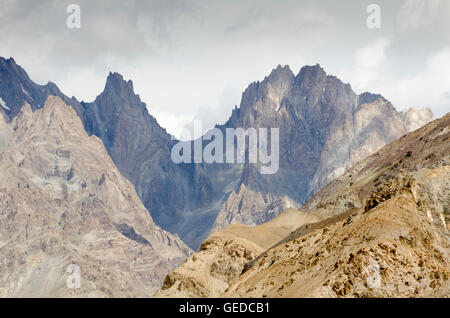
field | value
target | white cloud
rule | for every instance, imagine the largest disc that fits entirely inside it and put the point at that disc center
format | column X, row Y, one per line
column 369, row 61
column 175, row 124
column 431, row 87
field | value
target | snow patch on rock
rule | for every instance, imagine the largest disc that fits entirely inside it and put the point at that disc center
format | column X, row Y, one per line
column 3, row 104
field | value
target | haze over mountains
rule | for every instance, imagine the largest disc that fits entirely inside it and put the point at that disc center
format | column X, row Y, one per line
column 325, row 128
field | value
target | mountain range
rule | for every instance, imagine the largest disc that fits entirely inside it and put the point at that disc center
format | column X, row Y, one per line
column 382, row 229
column 325, row 128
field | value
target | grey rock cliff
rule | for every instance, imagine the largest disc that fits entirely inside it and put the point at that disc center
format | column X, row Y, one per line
column 325, row 127
column 141, row 148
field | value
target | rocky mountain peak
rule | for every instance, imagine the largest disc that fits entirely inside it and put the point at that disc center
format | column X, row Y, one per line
column 52, row 86
column 317, row 88
column 311, row 72
column 367, row 98
column 56, row 120
column 278, row 74
column 118, row 91
column 116, row 81
column 11, row 65
column 415, row 118
column 55, row 107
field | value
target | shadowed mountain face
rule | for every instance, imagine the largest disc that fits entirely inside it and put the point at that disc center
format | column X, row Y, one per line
column 324, row 129
column 141, row 150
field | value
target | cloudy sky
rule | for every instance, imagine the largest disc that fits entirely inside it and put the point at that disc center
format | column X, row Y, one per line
column 191, row 59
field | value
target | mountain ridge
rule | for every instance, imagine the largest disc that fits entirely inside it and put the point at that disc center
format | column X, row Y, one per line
column 324, row 128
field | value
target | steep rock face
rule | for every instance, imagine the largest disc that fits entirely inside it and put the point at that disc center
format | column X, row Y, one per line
column 5, row 131
column 385, row 230
column 371, row 126
column 140, row 148
column 62, row 202
column 325, row 127
column 415, row 118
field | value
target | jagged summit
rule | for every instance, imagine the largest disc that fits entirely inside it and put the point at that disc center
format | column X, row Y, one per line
column 280, row 72
column 118, row 88
column 315, row 70
column 141, row 149
column 116, row 81
column 11, row 63
column 323, row 127
column 367, row 98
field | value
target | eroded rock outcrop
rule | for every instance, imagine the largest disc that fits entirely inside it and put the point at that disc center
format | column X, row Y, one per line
column 250, row 208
